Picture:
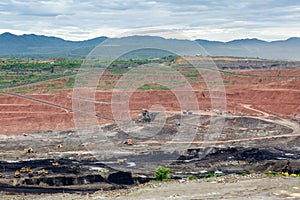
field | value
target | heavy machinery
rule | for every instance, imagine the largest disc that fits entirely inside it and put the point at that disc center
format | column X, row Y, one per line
column 103, row 170
column 55, row 164
column 30, row 173
column 17, row 174
column 43, row 172
column 122, row 160
column 28, row 150
column 128, row 142
column 25, row 169
column 145, row 116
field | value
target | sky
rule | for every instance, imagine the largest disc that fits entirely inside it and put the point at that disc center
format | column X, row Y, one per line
column 220, row 20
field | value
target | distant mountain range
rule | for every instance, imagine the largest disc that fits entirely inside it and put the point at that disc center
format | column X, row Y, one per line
column 280, row 49
column 39, row 46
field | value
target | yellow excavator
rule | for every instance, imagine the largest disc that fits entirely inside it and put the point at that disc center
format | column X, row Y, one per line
column 103, row 170
column 122, row 160
column 43, row 172
column 25, row 169
column 30, row 173
column 28, row 150
column 55, row 164
column 17, row 174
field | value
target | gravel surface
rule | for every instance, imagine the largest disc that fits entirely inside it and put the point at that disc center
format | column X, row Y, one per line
column 231, row 187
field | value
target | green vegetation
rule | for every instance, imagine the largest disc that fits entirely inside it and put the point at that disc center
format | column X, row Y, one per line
column 16, row 72
column 67, row 63
column 282, row 173
column 15, row 65
column 51, row 86
column 19, row 72
column 24, row 90
column 70, row 82
column 243, row 174
column 210, row 175
column 192, row 177
column 232, row 74
column 272, row 172
column 153, row 87
column 191, row 75
column 162, row 173
column 127, row 63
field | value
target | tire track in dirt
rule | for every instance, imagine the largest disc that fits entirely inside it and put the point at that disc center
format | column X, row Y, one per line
column 293, row 125
column 38, row 100
column 283, row 122
column 220, row 141
column 253, row 109
column 67, row 109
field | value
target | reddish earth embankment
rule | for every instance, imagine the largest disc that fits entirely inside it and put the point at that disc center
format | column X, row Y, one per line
column 275, row 91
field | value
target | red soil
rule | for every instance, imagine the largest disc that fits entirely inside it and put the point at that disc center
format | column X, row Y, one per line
column 274, row 95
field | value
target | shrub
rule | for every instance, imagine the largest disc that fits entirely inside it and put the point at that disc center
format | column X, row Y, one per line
column 210, row 175
column 285, row 173
column 51, row 86
column 192, row 177
column 191, row 75
column 162, row 173
column 272, row 172
column 70, row 82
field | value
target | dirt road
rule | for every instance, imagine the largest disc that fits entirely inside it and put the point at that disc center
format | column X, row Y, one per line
column 230, row 187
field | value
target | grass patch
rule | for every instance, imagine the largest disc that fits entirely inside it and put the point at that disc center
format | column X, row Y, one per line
column 51, row 86
column 272, row 172
column 191, row 75
column 192, row 177
column 282, row 173
column 22, row 91
column 70, row 82
column 210, row 175
column 232, row 74
column 153, row 87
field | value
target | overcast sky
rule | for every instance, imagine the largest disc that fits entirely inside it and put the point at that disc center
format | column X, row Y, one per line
column 196, row 19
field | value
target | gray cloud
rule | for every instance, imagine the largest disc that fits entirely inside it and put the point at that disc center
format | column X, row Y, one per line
column 207, row 19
